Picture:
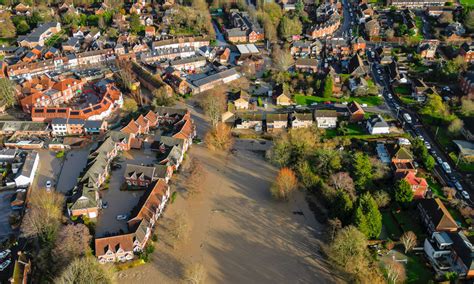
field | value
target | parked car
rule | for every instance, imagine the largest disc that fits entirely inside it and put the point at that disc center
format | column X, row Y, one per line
column 48, row 184
column 439, row 160
column 465, row 194
column 122, row 217
column 105, row 204
column 446, row 167
column 5, row 253
column 5, row 264
column 428, row 145
column 458, row 186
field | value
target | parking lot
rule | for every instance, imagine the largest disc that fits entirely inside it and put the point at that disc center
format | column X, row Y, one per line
column 121, row 202
column 5, row 198
column 48, row 169
column 74, row 162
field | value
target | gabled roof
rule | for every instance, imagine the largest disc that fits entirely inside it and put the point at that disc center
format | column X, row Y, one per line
column 150, row 201
column 463, row 248
column 354, row 107
column 440, row 216
column 402, row 153
column 130, row 128
column 325, row 113
column 139, row 172
column 413, row 180
column 102, row 245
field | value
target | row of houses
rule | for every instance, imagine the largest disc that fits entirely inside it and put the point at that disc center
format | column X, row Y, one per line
column 171, row 147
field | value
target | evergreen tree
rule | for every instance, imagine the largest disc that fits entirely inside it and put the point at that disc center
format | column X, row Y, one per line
column 362, row 171
column 360, row 221
column 403, row 192
column 328, row 86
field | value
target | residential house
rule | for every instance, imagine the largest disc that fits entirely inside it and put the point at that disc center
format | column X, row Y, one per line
column 358, row 44
column 240, row 100
column 467, row 51
column 243, row 28
column 92, row 127
column 114, row 249
column 73, row 44
column 418, row 185
column 372, row 28
column 325, row 28
column 137, row 175
column 427, row 48
column 306, row 65
column 301, row 48
column 75, row 126
column 377, row 125
column 150, row 31
column 435, row 216
column 463, row 254
column 301, row 120
column 283, row 100
column 39, row 35
column 28, row 171
column 402, row 160
column 415, row 3
column 466, row 83
column 356, row 113
column 189, row 63
column 356, row 66
column 249, row 121
column 325, row 118
column 58, row 126
column 276, row 121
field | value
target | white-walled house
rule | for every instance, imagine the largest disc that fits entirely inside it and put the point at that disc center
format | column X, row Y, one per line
column 27, row 173
column 377, row 125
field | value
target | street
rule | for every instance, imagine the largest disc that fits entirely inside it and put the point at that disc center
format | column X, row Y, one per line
column 416, row 129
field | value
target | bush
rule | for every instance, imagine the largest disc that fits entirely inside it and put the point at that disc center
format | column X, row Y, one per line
column 60, row 154
column 173, row 196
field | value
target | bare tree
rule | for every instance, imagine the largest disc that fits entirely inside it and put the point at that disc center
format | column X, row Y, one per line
column 395, row 271
column 408, row 240
column 196, row 178
column 7, row 93
column 382, row 198
column 343, row 181
column 214, row 103
column 87, row 270
column 162, row 96
column 282, row 58
column 195, row 274
column 43, row 217
column 449, row 192
column 219, row 138
column 72, row 242
column 334, row 226
column 285, row 183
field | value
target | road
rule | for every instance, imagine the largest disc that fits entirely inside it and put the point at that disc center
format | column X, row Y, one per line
column 416, row 128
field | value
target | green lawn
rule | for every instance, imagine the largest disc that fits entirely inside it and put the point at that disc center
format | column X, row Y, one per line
column 417, row 270
column 457, row 217
column 402, row 90
column 462, row 165
column 391, row 225
column 436, row 189
column 307, row 100
column 408, row 100
column 467, row 2
column 408, row 223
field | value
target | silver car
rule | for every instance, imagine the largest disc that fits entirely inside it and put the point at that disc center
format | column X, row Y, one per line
column 5, row 264
column 465, row 195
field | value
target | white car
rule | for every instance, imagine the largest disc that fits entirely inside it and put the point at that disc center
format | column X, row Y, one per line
column 122, row 217
column 48, row 184
column 5, row 264
column 439, row 160
column 5, row 253
column 465, row 194
column 458, row 186
column 390, row 96
column 427, row 145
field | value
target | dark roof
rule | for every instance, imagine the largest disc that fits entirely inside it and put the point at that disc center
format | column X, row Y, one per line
column 307, row 62
column 463, row 248
column 438, row 213
column 93, row 123
column 325, row 113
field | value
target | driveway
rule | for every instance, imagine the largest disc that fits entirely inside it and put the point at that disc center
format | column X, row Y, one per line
column 121, row 202
column 74, row 163
column 5, row 198
column 48, row 169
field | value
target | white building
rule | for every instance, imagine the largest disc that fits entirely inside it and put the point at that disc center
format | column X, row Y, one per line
column 27, row 173
column 377, row 125
column 59, row 126
column 325, row 118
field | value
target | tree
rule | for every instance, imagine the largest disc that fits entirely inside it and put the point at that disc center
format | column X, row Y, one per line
column 467, row 106
column 273, row 10
column 334, row 226
column 87, row 270
column 445, row 18
column 408, row 239
column 219, row 137
column 449, row 192
column 455, row 126
column 7, row 29
column 195, row 274
column 362, row 170
column 289, row 27
column 43, row 217
column 367, row 217
column 382, row 198
column 394, row 270
column 308, row 178
column 343, row 181
column 328, row 86
column 130, row 105
column 196, row 178
column 469, row 20
column 285, row 183
column 213, row 103
column 7, row 93
column 389, row 33
column 281, row 58
column 72, row 242
column 349, row 249
column 403, row 192
column 135, row 25
column 342, row 206
column 269, row 28
column 162, row 97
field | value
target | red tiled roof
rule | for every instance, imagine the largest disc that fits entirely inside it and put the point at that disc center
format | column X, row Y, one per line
column 142, row 122
column 186, row 130
column 130, row 128
column 65, row 84
column 413, row 180
column 124, row 242
column 153, row 200
column 152, row 118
